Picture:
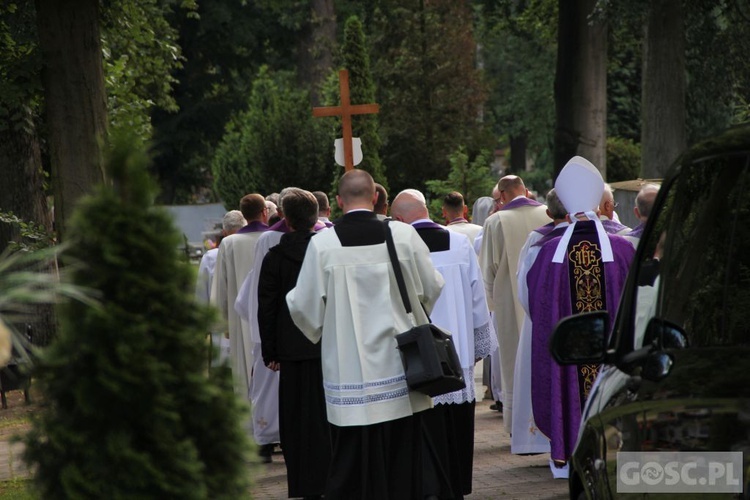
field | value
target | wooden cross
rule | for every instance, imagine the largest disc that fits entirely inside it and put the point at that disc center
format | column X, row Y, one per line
column 345, row 111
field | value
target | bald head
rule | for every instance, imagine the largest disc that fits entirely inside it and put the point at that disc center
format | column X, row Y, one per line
column 409, row 206
column 356, row 191
column 509, row 187
column 644, row 202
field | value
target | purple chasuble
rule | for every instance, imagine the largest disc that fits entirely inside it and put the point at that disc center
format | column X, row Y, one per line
column 255, row 226
column 612, row 226
column 281, row 226
column 520, row 202
column 427, row 225
column 637, row 231
column 545, row 229
column 555, row 232
column 582, row 283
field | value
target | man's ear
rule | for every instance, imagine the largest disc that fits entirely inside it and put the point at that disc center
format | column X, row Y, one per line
column 466, row 212
column 637, row 213
column 339, row 202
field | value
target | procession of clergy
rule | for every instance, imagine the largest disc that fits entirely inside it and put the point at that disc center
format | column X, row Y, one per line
column 312, row 308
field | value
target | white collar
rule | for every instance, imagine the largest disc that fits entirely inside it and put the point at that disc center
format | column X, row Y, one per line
column 606, row 246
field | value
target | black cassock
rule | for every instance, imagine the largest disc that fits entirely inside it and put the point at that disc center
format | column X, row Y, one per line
column 303, row 424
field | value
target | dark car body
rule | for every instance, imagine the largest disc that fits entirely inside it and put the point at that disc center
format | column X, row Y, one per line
column 676, row 363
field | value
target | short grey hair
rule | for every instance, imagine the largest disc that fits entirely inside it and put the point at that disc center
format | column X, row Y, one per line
column 555, row 206
column 233, row 221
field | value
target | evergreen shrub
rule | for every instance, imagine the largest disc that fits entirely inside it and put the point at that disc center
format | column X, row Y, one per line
column 623, row 159
column 129, row 410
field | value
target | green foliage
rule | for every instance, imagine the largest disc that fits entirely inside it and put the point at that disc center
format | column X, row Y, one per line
column 34, row 236
column 274, row 144
column 429, row 87
column 716, row 61
column 472, row 179
column 355, row 58
column 28, row 278
column 130, row 411
column 625, row 50
column 20, row 66
column 140, row 54
column 223, row 45
column 519, row 47
column 623, row 159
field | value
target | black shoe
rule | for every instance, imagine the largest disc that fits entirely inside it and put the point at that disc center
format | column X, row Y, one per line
column 498, row 406
column 264, row 452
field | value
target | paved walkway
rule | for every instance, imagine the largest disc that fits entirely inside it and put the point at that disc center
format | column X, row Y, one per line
column 497, row 473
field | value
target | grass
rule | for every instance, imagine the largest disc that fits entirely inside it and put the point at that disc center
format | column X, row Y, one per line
column 13, row 422
column 16, row 489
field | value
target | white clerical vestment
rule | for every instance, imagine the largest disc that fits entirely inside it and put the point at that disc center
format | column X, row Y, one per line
column 504, row 235
column 348, row 297
column 525, row 436
column 206, row 276
column 264, row 386
column 233, row 262
column 203, row 295
column 462, row 310
column 465, row 227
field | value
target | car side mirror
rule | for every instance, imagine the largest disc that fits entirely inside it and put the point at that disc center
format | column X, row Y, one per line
column 665, row 335
column 581, row 339
column 657, row 366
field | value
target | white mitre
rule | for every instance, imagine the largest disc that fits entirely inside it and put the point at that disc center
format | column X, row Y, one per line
column 580, row 187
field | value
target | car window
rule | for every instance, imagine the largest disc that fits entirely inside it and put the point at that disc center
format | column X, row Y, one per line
column 695, row 271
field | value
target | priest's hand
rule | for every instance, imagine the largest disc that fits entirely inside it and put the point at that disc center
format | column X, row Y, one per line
column 273, row 365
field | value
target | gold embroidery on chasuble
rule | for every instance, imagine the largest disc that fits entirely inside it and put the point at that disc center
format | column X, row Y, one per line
column 587, row 274
column 586, row 265
column 588, row 374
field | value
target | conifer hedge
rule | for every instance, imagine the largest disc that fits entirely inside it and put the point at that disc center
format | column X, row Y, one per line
column 129, row 409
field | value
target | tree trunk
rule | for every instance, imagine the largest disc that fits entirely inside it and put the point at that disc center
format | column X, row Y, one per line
column 23, row 194
column 517, row 155
column 75, row 99
column 21, row 176
column 581, row 85
column 663, row 131
column 315, row 54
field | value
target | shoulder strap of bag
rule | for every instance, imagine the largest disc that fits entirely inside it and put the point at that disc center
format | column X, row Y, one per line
column 396, row 267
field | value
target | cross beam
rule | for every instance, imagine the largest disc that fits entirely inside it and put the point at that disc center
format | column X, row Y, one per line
column 345, row 111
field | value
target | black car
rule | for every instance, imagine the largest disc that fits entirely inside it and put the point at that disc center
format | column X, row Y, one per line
column 676, row 363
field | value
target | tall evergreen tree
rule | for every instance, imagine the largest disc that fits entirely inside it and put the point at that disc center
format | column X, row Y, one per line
column 519, row 42
column 472, row 179
column 129, row 410
column 355, row 58
column 429, row 87
column 274, row 144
